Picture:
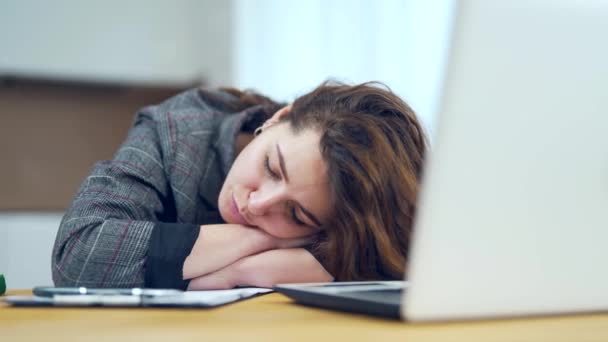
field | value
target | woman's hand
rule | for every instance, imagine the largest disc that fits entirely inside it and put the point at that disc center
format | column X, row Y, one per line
column 295, row 265
column 220, row 245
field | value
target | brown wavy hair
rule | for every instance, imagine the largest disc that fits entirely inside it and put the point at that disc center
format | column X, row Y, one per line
column 374, row 148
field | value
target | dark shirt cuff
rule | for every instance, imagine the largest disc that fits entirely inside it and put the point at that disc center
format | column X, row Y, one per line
column 170, row 245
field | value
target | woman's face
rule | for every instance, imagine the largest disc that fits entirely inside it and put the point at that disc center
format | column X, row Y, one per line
column 278, row 183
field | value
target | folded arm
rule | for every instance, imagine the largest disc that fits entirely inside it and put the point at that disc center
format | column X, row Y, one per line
column 293, row 265
column 220, row 245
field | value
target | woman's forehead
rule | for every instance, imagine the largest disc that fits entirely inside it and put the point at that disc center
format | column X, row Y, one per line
column 302, row 157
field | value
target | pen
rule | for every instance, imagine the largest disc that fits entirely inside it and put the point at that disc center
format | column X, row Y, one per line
column 42, row 291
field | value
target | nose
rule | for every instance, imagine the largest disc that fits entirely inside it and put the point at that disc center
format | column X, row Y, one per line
column 264, row 200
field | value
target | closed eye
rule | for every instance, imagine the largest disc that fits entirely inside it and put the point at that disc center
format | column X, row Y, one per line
column 294, row 217
column 273, row 174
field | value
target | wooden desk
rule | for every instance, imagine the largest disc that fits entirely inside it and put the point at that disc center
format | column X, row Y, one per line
column 274, row 317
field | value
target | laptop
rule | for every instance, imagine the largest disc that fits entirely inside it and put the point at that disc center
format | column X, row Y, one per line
column 513, row 217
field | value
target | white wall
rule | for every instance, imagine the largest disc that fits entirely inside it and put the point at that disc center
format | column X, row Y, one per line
column 156, row 42
column 285, row 48
column 26, row 242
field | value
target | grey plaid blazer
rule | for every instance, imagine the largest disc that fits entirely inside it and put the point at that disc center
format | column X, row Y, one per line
column 170, row 169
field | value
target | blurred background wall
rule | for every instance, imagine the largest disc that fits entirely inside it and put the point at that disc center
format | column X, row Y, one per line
column 73, row 73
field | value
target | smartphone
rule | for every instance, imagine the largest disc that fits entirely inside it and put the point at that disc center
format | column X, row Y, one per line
column 49, row 291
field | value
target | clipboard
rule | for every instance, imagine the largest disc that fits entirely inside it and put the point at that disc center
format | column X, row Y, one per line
column 144, row 298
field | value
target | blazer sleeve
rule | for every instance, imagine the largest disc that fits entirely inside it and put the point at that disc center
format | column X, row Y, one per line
column 105, row 234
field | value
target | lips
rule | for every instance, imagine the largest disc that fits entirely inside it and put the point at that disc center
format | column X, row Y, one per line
column 236, row 213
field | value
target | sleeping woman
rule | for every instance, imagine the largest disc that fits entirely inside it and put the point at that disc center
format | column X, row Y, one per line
column 217, row 188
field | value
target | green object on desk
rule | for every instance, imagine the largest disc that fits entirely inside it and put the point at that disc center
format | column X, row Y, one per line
column 2, row 284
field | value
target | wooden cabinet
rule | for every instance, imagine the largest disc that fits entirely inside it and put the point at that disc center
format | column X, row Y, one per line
column 51, row 134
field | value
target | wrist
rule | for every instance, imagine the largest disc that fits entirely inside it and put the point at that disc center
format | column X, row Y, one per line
column 223, row 279
column 261, row 241
column 240, row 272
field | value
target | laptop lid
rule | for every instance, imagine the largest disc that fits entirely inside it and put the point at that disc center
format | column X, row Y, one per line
column 513, row 217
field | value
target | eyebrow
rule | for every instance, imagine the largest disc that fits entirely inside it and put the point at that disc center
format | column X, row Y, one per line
column 284, row 172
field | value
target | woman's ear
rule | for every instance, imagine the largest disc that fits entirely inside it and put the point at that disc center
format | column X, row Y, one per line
column 276, row 117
